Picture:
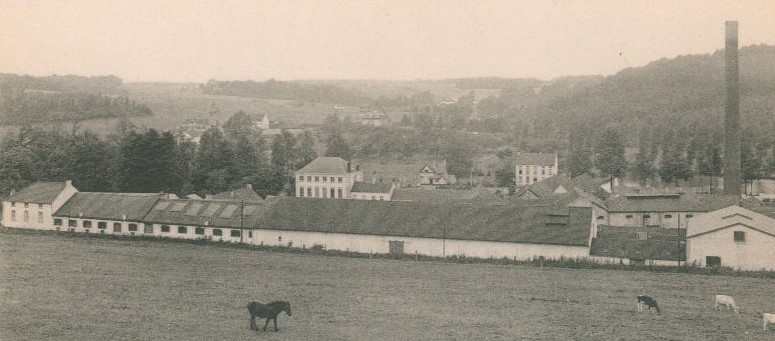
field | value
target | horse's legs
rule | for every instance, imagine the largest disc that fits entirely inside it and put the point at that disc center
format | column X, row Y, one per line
column 267, row 323
column 253, row 322
column 275, row 324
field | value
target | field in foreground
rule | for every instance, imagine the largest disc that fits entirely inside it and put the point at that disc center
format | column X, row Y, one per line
column 65, row 288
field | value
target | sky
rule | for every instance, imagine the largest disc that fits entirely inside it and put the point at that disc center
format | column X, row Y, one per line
column 194, row 41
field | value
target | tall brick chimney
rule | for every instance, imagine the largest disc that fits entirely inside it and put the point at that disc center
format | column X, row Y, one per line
column 732, row 122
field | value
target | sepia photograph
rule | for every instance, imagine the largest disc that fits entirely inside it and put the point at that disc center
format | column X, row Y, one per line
column 387, row 170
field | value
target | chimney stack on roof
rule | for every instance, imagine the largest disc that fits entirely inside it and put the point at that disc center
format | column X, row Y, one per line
column 732, row 120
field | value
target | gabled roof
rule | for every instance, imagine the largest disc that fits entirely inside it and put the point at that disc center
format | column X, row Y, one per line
column 463, row 221
column 108, row 206
column 539, row 159
column 216, row 213
column 245, row 193
column 684, row 202
column 639, row 243
column 325, row 165
column 38, row 193
column 368, row 187
column 730, row 216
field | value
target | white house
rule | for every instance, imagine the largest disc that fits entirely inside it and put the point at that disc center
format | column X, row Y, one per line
column 671, row 210
column 106, row 213
column 261, row 122
column 733, row 237
column 382, row 191
column 32, row 207
column 534, row 167
column 327, row 177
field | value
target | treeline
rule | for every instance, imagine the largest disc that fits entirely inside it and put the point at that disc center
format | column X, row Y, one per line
column 150, row 161
column 66, row 83
column 272, row 89
column 31, row 107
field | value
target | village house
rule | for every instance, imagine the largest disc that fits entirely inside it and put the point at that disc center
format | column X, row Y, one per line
column 382, row 191
column 732, row 237
column 373, row 118
column 261, row 122
column 667, row 210
column 33, row 206
column 534, row 167
column 434, row 174
column 327, row 177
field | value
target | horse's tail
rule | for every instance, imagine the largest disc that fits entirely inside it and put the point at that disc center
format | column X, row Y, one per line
column 656, row 306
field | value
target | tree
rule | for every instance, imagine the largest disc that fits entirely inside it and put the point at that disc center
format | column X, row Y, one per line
column 610, row 155
column 709, row 163
column 751, row 166
column 214, row 169
column 306, row 152
column 644, row 169
column 580, row 152
column 505, row 176
column 238, row 125
column 92, row 159
column 283, row 153
column 338, row 146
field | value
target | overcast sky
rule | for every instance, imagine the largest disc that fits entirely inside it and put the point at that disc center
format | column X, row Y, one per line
column 157, row 40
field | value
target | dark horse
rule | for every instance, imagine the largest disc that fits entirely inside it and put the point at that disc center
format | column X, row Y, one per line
column 267, row 311
column 649, row 302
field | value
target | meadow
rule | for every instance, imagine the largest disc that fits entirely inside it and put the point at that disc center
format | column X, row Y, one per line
column 57, row 287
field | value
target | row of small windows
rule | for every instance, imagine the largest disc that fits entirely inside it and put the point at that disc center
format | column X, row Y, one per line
column 26, row 205
column 648, row 216
column 132, row 227
column 527, row 170
column 326, row 193
column 318, row 178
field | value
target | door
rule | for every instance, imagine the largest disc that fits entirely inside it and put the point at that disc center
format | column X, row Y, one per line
column 396, row 247
column 712, row 261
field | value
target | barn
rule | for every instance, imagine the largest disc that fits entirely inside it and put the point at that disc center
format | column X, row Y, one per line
column 732, row 237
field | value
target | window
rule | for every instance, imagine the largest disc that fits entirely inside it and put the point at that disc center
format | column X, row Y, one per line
column 132, row 227
column 235, row 233
column 333, row 193
column 182, row 229
column 340, row 179
column 740, row 236
column 332, row 179
column 309, row 178
column 301, row 191
column 40, row 217
column 72, row 223
column 165, row 229
column 87, row 224
column 339, row 191
column 325, row 192
column 40, row 206
column 301, row 177
column 250, row 234
column 668, row 216
column 317, row 179
column 57, row 222
column 317, row 192
column 689, row 216
column 26, row 216
column 373, row 198
column 199, row 230
column 309, row 192
column 600, row 217
column 520, row 171
column 646, row 216
column 148, row 229
column 217, row 232
column 712, row 261
column 13, row 215
column 116, row 227
column 13, row 204
column 102, row 225
column 629, row 216
column 325, row 178
column 381, row 198
column 26, row 204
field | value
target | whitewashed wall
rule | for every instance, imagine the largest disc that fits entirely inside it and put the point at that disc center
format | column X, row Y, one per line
column 756, row 253
column 638, row 220
column 421, row 246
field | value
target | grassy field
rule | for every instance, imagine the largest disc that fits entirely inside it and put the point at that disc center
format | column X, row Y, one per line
column 65, row 288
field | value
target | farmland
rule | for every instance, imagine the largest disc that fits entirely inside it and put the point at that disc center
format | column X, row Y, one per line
column 68, row 288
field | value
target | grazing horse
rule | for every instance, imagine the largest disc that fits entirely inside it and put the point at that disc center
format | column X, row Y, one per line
column 267, row 311
column 768, row 318
column 649, row 302
column 727, row 301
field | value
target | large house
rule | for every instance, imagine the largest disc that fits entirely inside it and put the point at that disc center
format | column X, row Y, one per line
column 733, row 237
column 534, row 167
column 33, row 206
column 327, row 177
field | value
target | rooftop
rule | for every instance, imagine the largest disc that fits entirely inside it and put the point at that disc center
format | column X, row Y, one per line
column 686, row 202
column 38, row 193
column 539, row 159
column 368, row 187
column 109, row 206
column 325, row 165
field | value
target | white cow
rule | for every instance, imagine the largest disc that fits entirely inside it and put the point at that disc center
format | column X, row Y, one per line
column 727, row 301
column 768, row 319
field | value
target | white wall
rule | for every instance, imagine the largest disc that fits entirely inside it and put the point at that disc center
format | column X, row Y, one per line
column 422, row 246
column 658, row 218
column 32, row 209
column 757, row 252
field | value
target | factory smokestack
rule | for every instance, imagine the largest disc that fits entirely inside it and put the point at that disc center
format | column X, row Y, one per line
column 732, row 122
